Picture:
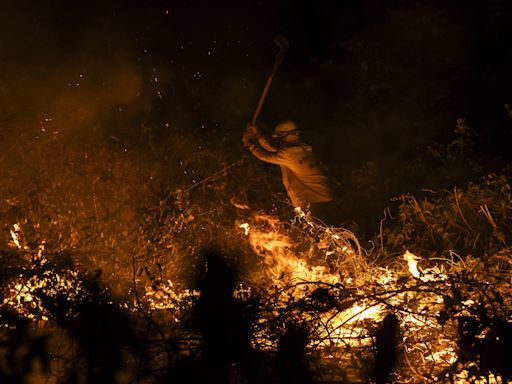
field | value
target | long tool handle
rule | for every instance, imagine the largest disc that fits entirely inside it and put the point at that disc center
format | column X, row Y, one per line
column 283, row 45
column 260, row 101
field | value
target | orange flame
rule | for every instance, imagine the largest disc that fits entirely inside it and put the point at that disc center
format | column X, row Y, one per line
column 276, row 249
column 288, row 269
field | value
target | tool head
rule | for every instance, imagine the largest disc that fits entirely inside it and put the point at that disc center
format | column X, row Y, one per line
column 282, row 43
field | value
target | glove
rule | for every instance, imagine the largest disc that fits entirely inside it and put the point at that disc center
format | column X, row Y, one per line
column 251, row 133
column 255, row 132
column 248, row 136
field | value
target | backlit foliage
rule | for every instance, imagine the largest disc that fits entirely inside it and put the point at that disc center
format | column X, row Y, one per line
column 121, row 230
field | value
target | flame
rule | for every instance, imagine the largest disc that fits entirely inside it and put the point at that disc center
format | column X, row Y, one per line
column 276, row 250
column 16, row 237
column 412, row 261
column 246, row 227
column 290, row 268
column 293, row 272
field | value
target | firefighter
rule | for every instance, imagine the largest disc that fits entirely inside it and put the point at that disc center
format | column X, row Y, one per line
column 302, row 177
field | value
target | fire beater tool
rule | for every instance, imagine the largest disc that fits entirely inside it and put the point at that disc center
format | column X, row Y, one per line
column 283, row 45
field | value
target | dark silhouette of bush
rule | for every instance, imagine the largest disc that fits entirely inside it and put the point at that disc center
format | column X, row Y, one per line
column 488, row 342
column 21, row 349
column 290, row 363
column 103, row 331
column 224, row 324
column 386, row 348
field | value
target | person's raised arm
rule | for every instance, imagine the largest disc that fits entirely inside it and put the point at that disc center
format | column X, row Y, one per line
column 259, row 146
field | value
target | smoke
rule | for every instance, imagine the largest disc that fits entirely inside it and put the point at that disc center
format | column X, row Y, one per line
column 368, row 82
column 70, row 70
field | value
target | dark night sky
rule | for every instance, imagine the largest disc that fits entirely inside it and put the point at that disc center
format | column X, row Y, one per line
column 366, row 80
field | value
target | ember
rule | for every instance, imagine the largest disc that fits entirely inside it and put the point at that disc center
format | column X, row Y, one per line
column 302, row 272
column 142, row 242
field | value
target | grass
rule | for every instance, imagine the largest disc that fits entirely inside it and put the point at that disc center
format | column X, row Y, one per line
column 135, row 220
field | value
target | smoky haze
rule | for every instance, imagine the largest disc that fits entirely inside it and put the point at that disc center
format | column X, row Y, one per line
column 365, row 81
column 67, row 69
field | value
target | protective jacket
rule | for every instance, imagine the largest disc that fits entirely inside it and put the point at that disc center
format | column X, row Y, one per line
column 303, row 178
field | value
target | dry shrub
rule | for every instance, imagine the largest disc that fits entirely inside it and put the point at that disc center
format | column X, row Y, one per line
column 474, row 220
column 142, row 216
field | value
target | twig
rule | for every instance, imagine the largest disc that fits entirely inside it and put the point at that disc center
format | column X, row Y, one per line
column 457, row 204
column 216, row 174
column 380, row 229
column 485, row 211
column 95, row 205
column 144, row 313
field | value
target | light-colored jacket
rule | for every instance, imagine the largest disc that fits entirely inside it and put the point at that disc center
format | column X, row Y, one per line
column 303, row 178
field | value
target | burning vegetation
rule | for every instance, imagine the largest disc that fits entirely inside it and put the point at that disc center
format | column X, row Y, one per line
column 141, row 243
column 105, row 277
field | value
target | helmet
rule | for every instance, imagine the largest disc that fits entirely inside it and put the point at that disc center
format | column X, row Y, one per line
column 285, row 128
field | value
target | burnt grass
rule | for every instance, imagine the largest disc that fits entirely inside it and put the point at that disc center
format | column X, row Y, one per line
column 103, row 223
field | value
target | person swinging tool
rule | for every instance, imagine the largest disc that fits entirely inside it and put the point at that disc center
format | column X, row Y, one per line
column 303, row 178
